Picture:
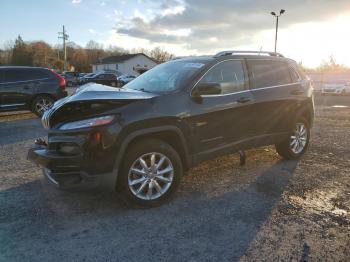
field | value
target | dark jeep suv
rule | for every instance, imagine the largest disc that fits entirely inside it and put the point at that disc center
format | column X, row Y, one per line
column 139, row 140
column 32, row 88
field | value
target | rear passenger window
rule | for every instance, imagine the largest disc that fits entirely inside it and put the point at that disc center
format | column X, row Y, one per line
column 268, row 73
column 15, row 75
column 229, row 74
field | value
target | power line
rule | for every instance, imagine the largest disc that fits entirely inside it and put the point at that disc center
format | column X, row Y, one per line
column 63, row 35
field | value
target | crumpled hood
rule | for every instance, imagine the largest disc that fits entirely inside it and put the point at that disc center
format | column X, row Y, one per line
column 93, row 95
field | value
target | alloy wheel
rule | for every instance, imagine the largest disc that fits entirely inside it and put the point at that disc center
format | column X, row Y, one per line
column 299, row 138
column 150, row 176
column 42, row 105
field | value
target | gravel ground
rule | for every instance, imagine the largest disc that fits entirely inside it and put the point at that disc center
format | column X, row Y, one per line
column 268, row 210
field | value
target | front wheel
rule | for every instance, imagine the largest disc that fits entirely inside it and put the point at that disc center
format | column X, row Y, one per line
column 296, row 144
column 150, row 174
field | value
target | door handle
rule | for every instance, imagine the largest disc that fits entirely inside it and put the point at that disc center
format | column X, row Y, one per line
column 243, row 99
column 297, row 92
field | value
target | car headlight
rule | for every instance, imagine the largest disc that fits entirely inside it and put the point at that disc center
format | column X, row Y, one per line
column 91, row 122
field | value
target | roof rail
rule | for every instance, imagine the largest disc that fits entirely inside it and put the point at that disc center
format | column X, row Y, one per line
column 237, row 52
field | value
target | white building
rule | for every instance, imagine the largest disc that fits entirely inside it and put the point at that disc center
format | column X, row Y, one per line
column 131, row 64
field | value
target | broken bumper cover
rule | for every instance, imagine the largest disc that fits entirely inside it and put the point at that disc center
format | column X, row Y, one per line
column 65, row 171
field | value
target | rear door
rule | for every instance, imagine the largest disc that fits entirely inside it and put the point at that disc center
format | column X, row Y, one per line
column 16, row 88
column 275, row 93
column 221, row 120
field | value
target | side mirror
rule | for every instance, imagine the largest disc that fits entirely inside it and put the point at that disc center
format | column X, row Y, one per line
column 207, row 89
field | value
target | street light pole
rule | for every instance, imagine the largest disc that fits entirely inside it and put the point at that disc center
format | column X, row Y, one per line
column 282, row 11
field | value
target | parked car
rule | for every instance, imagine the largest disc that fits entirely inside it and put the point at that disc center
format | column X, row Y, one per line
column 141, row 139
column 71, row 78
column 32, row 88
column 340, row 88
column 81, row 78
column 109, row 79
column 124, row 79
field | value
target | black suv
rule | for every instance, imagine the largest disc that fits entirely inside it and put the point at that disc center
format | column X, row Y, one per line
column 140, row 139
column 30, row 88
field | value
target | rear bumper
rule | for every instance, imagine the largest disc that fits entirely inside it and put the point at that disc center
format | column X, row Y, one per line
column 65, row 171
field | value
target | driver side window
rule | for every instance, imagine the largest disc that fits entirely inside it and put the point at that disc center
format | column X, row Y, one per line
column 228, row 74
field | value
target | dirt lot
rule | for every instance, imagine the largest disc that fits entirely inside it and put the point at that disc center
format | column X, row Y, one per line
column 267, row 210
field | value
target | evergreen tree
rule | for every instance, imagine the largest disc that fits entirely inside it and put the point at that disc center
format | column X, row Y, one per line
column 21, row 54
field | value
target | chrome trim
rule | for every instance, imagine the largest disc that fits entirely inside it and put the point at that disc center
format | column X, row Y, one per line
column 238, row 92
column 251, row 90
column 25, row 81
column 228, row 94
column 47, row 174
column 269, row 87
column 9, row 105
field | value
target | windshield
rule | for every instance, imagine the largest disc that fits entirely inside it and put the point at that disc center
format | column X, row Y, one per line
column 166, row 77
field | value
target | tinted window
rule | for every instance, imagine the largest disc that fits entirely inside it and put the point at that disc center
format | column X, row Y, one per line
column 1, row 76
column 109, row 76
column 14, row 75
column 293, row 73
column 229, row 74
column 100, row 76
column 268, row 73
column 39, row 74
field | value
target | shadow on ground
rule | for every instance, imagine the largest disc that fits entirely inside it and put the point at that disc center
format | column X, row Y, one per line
column 40, row 223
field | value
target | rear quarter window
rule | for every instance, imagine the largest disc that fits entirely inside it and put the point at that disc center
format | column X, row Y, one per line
column 267, row 73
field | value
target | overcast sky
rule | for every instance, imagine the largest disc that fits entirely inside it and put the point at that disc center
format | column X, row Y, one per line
column 310, row 31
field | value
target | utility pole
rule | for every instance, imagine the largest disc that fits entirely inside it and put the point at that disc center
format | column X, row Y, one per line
column 63, row 35
column 282, row 11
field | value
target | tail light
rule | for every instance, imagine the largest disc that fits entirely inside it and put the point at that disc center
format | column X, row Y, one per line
column 61, row 79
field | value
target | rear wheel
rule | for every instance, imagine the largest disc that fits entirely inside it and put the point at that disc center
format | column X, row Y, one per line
column 42, row 103
column 150, row 174
column 296, row 144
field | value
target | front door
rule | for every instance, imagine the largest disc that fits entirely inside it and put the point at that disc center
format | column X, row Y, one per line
column 222, row 120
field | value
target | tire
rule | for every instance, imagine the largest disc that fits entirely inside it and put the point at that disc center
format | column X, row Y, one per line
column 41, row 103
column 162, row 187
column 289, row 148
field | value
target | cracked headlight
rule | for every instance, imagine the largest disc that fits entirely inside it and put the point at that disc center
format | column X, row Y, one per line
column 91, row 122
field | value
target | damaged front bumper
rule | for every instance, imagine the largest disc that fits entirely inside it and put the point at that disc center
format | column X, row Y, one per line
column 81, row 170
